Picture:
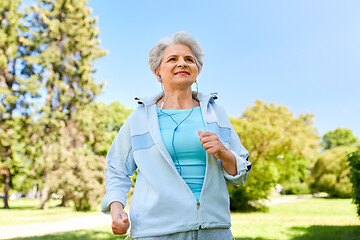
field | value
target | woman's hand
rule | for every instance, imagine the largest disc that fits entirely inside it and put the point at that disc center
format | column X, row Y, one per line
column 120, row 220
column 212, row 144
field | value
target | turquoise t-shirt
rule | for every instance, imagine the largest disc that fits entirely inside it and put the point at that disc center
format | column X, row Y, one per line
column 191, row 155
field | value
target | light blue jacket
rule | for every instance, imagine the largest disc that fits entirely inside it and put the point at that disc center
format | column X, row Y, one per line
column 162, row 203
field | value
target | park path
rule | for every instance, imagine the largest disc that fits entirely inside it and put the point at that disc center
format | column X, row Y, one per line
column 283, row 199
column 38, row 229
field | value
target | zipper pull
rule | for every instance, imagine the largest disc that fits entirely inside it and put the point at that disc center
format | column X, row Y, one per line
column 198, row 205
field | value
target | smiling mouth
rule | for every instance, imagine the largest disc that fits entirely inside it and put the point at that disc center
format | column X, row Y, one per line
column 182, row 72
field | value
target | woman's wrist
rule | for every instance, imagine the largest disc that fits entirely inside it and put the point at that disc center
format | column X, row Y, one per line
column 228, row 161
column 116, row 206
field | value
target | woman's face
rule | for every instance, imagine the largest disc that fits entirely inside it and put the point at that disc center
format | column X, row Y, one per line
column 178, row 68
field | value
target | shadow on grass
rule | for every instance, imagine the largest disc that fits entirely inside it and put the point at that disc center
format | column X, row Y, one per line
column 78, row 235
column 302, row 233
column 327, row 232
column 242, row 238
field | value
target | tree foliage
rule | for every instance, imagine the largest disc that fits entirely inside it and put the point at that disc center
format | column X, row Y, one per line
column 67, row 45
column 354, row 163
column 48, row 52
column 331, row 172
column 79, row 175
column 280, row 147
column 339, row 137
column 18, row 85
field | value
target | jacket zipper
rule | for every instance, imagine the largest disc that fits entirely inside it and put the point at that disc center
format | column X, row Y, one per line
column 205, row 122
column 198, row 213
column 207, row 163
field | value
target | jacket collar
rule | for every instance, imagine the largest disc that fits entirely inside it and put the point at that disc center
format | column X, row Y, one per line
column 148, row 101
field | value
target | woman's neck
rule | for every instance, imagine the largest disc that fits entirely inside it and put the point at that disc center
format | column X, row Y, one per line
column 177, row 99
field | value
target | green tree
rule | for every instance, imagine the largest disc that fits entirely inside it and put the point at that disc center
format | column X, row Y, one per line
column 79, row 175
column 339, row 137
column 354, row 163
column 67, row 45
column 18, row 84
column 280, row 147
column 100, row 124
column 331, row 172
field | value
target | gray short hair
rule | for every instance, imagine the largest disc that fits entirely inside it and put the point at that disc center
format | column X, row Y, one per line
column 156, row 53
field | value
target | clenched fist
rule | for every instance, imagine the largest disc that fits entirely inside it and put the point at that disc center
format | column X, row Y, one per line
column 212, row 144
column 120, row 220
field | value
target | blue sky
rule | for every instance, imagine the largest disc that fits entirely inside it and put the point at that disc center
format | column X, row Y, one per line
column 301, row 54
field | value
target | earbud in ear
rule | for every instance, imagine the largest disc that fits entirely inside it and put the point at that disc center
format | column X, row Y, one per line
column 159, row 78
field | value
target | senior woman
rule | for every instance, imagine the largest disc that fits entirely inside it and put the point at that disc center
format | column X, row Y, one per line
column 185, row 150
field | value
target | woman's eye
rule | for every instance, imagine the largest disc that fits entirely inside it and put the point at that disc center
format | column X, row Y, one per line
column 190, row 60
column 171, row 59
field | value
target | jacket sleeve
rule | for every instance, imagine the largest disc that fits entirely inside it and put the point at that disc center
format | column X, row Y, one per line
column 242, row 164
column 120, row 166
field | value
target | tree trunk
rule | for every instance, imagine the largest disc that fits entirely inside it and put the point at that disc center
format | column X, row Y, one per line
column 34, row 191
column 6, row 188
column 44, row 192
column 64, row 202
column 44, row 197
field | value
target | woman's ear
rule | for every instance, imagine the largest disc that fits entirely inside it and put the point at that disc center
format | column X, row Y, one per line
column 156, row 72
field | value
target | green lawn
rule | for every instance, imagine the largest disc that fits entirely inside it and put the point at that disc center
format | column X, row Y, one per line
column 308, row 219
column 24, row 211
column 99, row 233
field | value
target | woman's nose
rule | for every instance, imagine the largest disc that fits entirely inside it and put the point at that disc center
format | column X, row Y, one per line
column 182, row 63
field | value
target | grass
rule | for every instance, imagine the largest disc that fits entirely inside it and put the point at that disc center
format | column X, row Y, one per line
column 24, row 211
column 307, row 219
column 99, row 233
column 320, row 219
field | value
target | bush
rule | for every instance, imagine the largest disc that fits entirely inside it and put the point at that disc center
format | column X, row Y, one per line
column 261, row 180
column 279, row 146
column 331, row 172
column 354, row 163
column 242, row 201
column 297, row 188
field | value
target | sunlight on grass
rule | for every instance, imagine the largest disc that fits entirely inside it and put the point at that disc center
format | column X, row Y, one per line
column 24, row 211
column 98, row 233
column 297, row 220
column 316, row 218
